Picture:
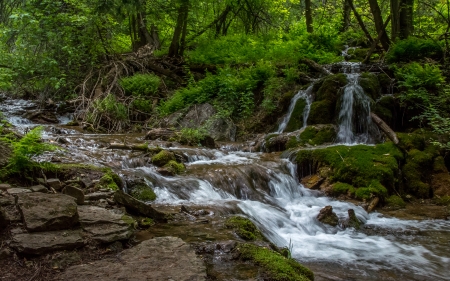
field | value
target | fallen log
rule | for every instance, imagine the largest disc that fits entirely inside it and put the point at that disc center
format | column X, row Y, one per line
column 314, row 65
column 139, row 147
column 385, row 128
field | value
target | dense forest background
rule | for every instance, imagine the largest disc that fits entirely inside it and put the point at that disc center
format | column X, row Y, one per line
column 123, row 64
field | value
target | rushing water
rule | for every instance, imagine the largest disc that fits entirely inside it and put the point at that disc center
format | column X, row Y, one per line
column 302, row 94
column 265, row 188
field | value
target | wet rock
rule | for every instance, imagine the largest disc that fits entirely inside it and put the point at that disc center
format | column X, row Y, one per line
column 44, row 212
column 41, row 116
column 39, row 188
column 222, row 129
column 74, row 192
column 312, row 181
column 44, row 242
column 327, row 216
column 165, row 172
column 162, row 258
column 65, row 259
column 54, row 183
column 98, row 195
column 227, row 246
column 18, row 190
column 162, row 158
column 373, row 203
column 160, row 133
column 274, row 143
column 3, row 218
column 5, row 186
column 352, row 220
column 137, row 206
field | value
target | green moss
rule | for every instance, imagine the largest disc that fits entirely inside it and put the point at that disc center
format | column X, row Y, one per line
column 321, row 112
column 274, row 265
column 369, row 82
column 343, row 188
column 330, row 87
column 439, row 165
column 244, row 228
column 384, row 108
column 146, row 222
column 395, row 201
column 296, row 121
column 175, row 167
column 357, row 165
column 317, row 135
column 129, row 220
column 162, row 158
column 416, row 172
column 143, row 192
column 110, row 180
column 374, row 189
column 444, row 200
column 293, row 142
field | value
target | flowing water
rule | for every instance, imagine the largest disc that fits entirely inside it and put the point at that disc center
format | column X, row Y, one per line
column 302, row 94
column 265, row 187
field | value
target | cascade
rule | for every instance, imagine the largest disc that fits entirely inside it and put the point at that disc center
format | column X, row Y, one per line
column 302, row 94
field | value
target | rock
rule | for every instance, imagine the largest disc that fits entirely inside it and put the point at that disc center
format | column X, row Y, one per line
column 162, row 158
column 165, row 172
column 39, row 188
column 18, row 190
column 312, row 181
column 137, row 206
column 5, row 253
column 222, row 129
column 74, row 192
column 373, row 203
column 5, row 186
column 158, row 259
column 160, row 133
column 65, row 259
column 42, row 116
column 98, row 195
column 5, row 154
column 3, row 218
column 352, row 220
column 327, row 216
column 54, row 183
column 44, row 212
column 45, row 242
column 440, row 183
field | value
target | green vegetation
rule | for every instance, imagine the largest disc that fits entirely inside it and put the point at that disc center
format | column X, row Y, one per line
column 274, row 265
column 140, row 85
column 163, row 158
column 190, row 136
column 175, row 167
column 244, row 228
column 375, row 189
column 395, row 201
column 413, row 49
column 143, row 193
column 110, row 180
column 343, row 188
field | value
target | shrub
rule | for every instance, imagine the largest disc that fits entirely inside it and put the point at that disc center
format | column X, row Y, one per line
column 110, row 107
column 395, row 201
column 412, row 49
column 414, row 76
column 140, row 84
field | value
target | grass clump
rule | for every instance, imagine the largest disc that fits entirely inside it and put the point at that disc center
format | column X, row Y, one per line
column 162, row 158
column 275, row 266
column 140, row 84
column 395, row 201
column 244, row 228
column 175, row 167
column 143, row 192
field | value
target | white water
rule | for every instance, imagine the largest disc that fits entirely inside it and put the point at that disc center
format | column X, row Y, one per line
column 302, row 94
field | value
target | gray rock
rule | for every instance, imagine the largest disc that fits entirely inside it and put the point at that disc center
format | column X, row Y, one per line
column 7, row 200
column 75, row 192
column 5, row 186
column 18, row 190
column 138, row 206
column 98, row 195
column 160, row 133
column 5, row 253
column 222, row 129
column 45, row 242
column 39, row 188
column 158, row 259
column 197, row 115
column 327, row 216
column 54, row 183
column 44, row 212
column 3, row 218
column 65, row 259
column 105, row 226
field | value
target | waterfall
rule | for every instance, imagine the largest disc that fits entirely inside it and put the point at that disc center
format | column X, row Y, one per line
column 302, row 94
column 354, row 116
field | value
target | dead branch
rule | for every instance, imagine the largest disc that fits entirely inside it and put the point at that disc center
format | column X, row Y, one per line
column 385, row 128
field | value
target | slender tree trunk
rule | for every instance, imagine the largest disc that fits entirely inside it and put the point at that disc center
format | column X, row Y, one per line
column 406, row 18
column 376, row 12
column 395, row 19
column 175, row 46
column 308, row 15
column 346, row 10
column 360, row 21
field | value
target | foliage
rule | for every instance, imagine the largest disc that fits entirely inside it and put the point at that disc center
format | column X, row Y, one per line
column 395, row 201
column 244, row 228
column 343, row 188
column 276, row 266
column 110, row 180
column 110, row 107
column 143, row 192
column 413, row 49
column 140, row 85
column 375, row 189
column 192, row 136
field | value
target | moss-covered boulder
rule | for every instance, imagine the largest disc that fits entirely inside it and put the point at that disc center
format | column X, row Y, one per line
column 296, row 121
column 440, row 180
column 395, row 202
column 329, row 88
column 174, row 167
column 163, row 158
column 327, row 216
column 322, row 112
column 142, row 192
column 370, row 84
column 274, row 266
column 385, row 109
column 110, row 180
column 244, row 228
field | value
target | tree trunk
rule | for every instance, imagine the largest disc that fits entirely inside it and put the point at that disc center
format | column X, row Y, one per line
column 406, row 18
column 360, row 21
column 180, row 31
column 308, row 15
column 375, row 43
column 376, row 12
column 346, row 10
column 395, row 19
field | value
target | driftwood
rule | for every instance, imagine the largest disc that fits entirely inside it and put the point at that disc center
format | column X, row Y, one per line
column 385, row 128
column 317, row 67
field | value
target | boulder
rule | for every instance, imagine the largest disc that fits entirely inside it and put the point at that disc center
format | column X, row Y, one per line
column 312, row 181
column 45, row 212
column 352, row 220
column 104, row 225
column 54, row 183
column 98, row 195
column 160, row 133
column 18, row 190
column 39, row 188
column 42, row 116
column 3, row 218
column 134, row 205
column 75, row 192
column 327, row 216
column 221, row 129
column 158, row 259
column 5, row 186
column 45, row 242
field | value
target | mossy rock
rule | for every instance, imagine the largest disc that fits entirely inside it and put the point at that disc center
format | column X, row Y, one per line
column 340, row 188
column 385, row 108
column 439, row 165
column 110, row 180
column 443, row 201
column 357, row 165
column 244, row 228
column 296, row 121
column 375, row 189
column 275, row 266
column 143, row 192
column 317, row 135
column 357, row 54
column 416, row 172
column 395, row 202
column 370, row 84
column 330, row 88
column 175, row 167
column 322, row 112
column 163, row 158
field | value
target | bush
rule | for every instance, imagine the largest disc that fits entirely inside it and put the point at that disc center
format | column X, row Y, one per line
column 412, row 49
column 414, row 76
column 110, row 107
column 140, row 84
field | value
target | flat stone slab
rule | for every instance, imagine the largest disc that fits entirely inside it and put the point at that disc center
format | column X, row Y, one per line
column 45, row 242
column 46, row 212
column 158, row 259
column 104, row 225
column 4, row 186
column 98, row 195
column 18, row 190
column 138, row 206
column 39, row 188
